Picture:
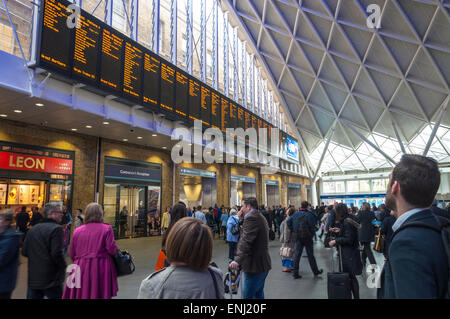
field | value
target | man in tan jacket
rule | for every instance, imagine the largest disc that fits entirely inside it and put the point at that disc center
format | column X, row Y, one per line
column 252, row 254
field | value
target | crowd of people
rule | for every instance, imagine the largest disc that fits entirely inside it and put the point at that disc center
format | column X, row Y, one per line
column 410, row 223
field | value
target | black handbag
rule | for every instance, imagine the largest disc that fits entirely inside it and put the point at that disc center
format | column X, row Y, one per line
column 124, row 263
column 235, row 230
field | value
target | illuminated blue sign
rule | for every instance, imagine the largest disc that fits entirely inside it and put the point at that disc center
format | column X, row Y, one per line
column 292, row 148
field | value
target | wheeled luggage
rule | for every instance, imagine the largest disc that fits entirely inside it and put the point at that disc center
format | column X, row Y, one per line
column 339, row 286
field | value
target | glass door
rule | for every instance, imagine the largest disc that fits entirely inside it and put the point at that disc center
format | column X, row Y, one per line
column 134, row 213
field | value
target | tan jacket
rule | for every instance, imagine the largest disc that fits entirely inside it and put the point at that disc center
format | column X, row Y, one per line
column 253, row 246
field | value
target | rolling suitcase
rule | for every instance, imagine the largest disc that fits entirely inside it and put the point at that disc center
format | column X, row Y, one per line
column 338, row 282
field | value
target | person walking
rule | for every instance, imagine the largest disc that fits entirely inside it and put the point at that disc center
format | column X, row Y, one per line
column 224, row 222
column 232, row 240
column 323, row 221
column 210, row 220
column 123, row 221
column 287, row 240
column 387, row 231
column 417, row 266
column 366, row 233
column 79, row 219
column 346, row 231
column 9, row 254
column 189, row 251
column 22, row 220
column 252, row 254
column 198, row 214
column 303, row 224
column 36, row 217
column 165, row 221
column 43, row 247
column 92, row 250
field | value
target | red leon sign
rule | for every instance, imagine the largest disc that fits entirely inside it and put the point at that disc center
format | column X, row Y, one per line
column 33, row 163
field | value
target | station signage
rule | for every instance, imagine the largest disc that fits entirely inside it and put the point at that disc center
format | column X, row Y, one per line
column 244, row 179
column 271, row 182
column 33, row 163
column 292, row 185
column 132, row 173
column 197, row 172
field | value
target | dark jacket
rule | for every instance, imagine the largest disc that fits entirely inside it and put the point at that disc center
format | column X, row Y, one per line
column 440, row 212
column 366, row 232
column 44, row 248
column 35, row 219
column 253, row 247
column 331, row 220
column 386, row 230
column 418, row 262
column 347, row 241
column 9, row 259
column 22, row 220
column 311, row 218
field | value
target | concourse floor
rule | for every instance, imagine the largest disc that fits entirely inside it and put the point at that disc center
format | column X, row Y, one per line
column 279, row 285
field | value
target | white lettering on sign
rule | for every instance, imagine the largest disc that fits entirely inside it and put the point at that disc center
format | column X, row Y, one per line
column 28, row 162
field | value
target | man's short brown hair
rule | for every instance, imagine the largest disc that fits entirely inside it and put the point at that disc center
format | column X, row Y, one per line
column 190, row 241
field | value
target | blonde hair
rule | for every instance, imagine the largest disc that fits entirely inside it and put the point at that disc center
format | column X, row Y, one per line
column 7, row 215
column 93, row 213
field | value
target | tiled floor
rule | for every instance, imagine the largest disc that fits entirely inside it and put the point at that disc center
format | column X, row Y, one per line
column 278, row 284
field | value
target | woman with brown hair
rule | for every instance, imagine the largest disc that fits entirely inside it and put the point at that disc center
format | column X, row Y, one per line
column 288, row 242
column 92, row 250
column 189, row 248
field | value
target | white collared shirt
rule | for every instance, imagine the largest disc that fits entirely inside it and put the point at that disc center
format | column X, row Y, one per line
column 400, row 221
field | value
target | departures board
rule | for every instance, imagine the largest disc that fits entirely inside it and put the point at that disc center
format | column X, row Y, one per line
column 110, row 62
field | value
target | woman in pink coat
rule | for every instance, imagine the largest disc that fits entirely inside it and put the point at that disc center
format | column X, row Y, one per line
column 92, row 250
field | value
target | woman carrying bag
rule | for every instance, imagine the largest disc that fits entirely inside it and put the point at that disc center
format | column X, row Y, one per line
column 287, row 239
column 346, row 231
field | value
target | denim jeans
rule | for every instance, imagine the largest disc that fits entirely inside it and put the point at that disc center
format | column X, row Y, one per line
column 50, row 293
column 253, row 286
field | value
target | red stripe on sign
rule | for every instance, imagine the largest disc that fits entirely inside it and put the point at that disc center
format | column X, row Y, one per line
column 22, row 162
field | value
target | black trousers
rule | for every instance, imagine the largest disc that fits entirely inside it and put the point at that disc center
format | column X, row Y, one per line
column 309, row 245
column 367, row 253
column 50, row 293
column 354, row 285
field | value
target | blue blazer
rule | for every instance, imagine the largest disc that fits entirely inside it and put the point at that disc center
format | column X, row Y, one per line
column 418, row 262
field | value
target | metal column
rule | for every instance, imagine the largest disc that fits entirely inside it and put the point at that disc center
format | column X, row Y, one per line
column 109, row 11
column 226, row 61
column 215, row 46
column 244, row 75
column 252, row 83
column 203, row 53
column 189, row 36
column 155, row 26
column 173, row 31
column 236, row 65
column 134, row 19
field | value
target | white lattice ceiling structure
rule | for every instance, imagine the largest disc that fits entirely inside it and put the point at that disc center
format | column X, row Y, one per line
column 364, row 88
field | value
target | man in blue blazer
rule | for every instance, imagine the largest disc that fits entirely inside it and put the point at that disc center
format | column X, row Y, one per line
column 417, row 265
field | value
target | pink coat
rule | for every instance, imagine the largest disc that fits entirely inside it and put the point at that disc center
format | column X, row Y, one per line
column 92, row 248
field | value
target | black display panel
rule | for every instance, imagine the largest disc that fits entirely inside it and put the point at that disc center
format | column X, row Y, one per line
column 215, row 110
column 232, row 118
column 194, row 100
column 87, row 44
column 111, row 56
column 225, row 110
column 181, row 97
column 56, row 38
column 167, row 87
column 206, row 106
column 132, row 69
column 151, row 80
column 240, row 118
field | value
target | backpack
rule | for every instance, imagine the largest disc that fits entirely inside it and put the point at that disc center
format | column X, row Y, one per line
column 235, row 229
column 302, row 228
column 444, row 229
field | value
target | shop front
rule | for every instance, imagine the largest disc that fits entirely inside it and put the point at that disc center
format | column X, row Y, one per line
column 198, row 187
column 272, row 192
column 294, row 194
column 32, row 176
column 241, row 187
column 131, row 196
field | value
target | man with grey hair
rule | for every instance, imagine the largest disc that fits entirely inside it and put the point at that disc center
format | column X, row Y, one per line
column 9, row 254
column 44, row 246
